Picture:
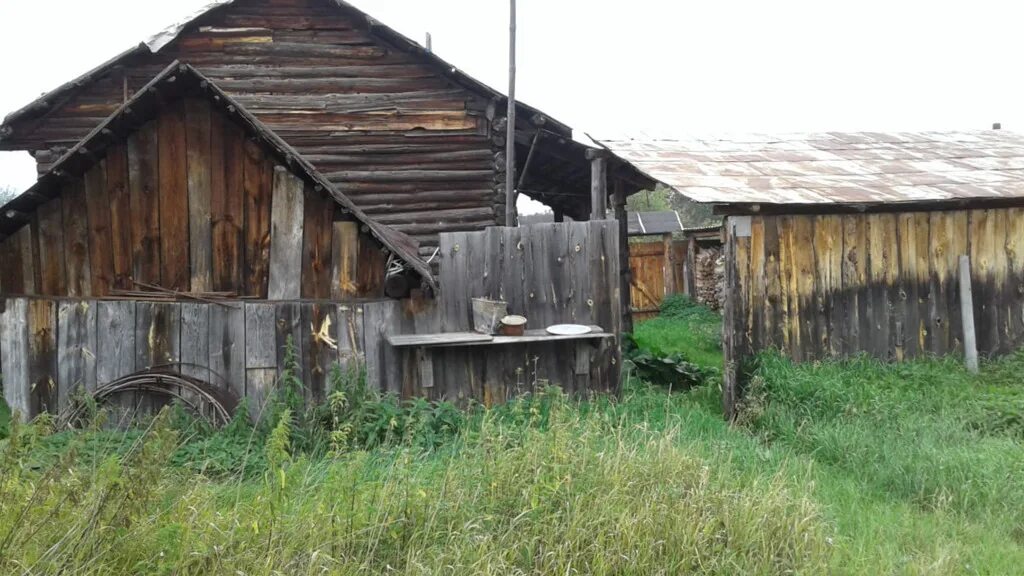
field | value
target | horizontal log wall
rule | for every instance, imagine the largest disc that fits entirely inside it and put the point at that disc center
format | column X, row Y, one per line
column 190, row 204
column 819, row 286
column 398, row 136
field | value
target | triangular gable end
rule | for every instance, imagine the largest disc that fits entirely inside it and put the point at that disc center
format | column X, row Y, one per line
column 183, row 89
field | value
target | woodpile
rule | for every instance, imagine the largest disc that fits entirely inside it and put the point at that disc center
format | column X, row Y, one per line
column 709, row 278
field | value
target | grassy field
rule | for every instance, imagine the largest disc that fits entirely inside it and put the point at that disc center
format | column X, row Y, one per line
column 852, row 468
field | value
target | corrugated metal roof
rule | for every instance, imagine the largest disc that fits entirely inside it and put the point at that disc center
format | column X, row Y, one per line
column 834, row 168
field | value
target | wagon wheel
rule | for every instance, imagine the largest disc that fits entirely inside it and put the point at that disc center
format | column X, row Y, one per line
column 214, row 404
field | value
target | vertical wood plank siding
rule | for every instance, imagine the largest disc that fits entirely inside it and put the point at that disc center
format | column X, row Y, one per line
column 884, row 284
column 187, row 205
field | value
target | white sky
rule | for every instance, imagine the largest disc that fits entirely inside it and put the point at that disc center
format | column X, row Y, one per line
column 665, row 67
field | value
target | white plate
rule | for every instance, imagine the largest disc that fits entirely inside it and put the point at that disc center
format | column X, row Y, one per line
column 568, row 330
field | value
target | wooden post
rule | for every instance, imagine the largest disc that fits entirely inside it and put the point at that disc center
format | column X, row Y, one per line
column 690, row 269
column 510, row 134
column 967, row 315
column 626, row 275
column 729, row 349
column 598, row 184
column 668, row 266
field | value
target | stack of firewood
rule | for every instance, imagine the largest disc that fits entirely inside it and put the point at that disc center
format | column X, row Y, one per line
column 709, row 278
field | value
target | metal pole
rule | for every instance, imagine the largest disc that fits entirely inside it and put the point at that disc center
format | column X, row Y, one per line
column 510, row 142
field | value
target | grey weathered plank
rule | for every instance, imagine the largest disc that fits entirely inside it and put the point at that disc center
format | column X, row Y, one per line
column 76, row 353
column 115, row 336
column 543, row 301
column 260, row 347
column 158, row 343
column 260, row 356
column 157, row 334
column 286, row 223
column 455, row 308
column 195, row 341
column 259, row 386
column 200, row 173
column 227, row 346
column 465, row 339
column 442, row 339
column 14, row 355
column 378, row 320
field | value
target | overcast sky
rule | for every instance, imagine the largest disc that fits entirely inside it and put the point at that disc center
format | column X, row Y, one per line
column 662, row 67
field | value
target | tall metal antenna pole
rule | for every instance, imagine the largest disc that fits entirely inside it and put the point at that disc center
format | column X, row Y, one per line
column 510, row 143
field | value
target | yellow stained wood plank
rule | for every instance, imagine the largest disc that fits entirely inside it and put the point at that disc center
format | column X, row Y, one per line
column 755, row 327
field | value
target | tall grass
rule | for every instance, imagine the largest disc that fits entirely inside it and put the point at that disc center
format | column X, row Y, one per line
column 537, row 487
column 836, row 468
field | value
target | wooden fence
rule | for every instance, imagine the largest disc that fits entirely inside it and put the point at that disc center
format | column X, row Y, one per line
column 549, row 273
column 49, row 348
column 553, row 273
column 884, row 284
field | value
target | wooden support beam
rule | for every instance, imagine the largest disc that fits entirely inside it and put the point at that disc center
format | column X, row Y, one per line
column 625, row 273
column 669, row 265
column 967, row 316
column 598, row 184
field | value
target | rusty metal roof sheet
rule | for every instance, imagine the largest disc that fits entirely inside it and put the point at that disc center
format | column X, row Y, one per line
column 833, row 167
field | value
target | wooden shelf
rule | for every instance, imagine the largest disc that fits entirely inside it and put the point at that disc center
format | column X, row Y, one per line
column 461, row 339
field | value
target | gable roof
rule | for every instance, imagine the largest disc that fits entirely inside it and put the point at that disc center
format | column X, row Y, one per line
column 52, row 99
column 864, row 168
column 175, row 81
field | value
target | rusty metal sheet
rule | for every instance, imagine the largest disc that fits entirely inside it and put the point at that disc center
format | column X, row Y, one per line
column 833, row 167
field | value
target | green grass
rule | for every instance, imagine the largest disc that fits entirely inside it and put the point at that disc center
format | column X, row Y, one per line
column 686, row 328
column 835, row 468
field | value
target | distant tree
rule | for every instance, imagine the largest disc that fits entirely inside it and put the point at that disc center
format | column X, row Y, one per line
column 6, row 193
column 694, row 215
column 656, row 200
column 691, row 214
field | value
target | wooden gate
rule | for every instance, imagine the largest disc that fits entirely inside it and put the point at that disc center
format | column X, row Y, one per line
column 652, row 264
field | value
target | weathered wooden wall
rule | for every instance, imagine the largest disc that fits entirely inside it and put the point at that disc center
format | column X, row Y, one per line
column 190, row 204
column 49, row 347
column 399, row 137
column 819, row 286
column 549, row 273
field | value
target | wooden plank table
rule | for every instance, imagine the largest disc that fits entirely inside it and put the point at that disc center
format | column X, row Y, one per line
column 423, row 343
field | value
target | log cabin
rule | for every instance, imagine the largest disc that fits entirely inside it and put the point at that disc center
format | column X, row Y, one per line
column 413, row 141
column 893, row 245
column 333, row 154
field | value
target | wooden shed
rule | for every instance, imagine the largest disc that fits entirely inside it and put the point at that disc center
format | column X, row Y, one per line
column 412, row 140
column 839, row 244
column 182, row 234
